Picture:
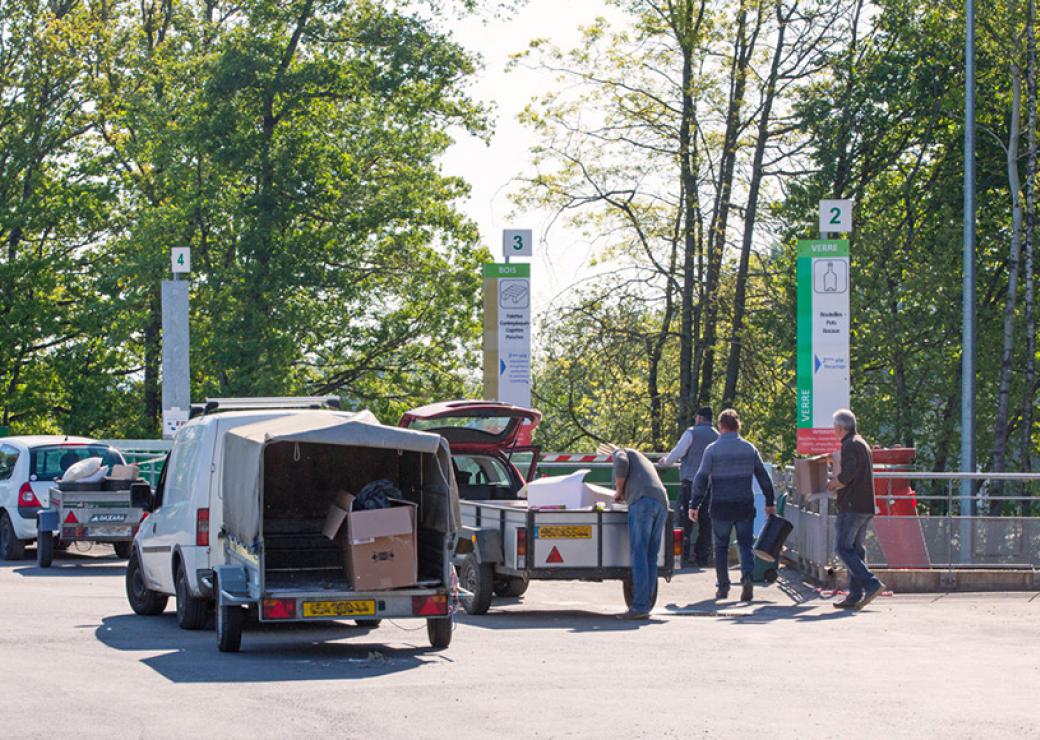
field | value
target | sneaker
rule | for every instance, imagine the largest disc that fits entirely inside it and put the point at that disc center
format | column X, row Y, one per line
column 871, row 594
column 634, row 615
column 747, row 590
column 722, row 593
column 847, row 603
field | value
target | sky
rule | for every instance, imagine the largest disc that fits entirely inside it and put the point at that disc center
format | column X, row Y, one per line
column 561, row 255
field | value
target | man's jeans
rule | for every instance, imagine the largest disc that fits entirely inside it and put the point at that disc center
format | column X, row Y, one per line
column 646, row 518
column 745, row 539
column 848, row 544
column 695, row 550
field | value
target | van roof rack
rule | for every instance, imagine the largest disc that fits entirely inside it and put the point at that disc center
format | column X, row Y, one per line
column 213, row 405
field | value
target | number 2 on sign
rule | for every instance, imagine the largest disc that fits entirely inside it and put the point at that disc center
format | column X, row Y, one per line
column 835, row 216
column 518, row 242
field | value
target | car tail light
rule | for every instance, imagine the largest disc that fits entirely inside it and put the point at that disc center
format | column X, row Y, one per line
column 521, row 547
column 202, row 528
column 677, row 536
column 70, row 518
column 279, row 608
column 430, row 606
column 26, row 497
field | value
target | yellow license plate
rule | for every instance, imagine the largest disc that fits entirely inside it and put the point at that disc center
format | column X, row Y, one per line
column 339, row 608
column 566, row 532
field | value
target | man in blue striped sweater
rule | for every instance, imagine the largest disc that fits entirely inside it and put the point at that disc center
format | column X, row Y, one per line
column 728, row 465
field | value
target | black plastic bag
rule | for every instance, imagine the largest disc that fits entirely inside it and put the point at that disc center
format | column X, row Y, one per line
column 376, row 495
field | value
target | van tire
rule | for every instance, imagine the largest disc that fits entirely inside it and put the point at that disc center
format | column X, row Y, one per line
column 512, row 587
column 230, row 619
column 142, row 599
column 439, row 631
column 626, row 589
column 44, row 549
column 11, row 548
column 123, row 549
column 479, row 580
column 192, row 612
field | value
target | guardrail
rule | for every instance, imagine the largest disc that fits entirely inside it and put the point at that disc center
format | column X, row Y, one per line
column 148, row 454
column 998, row 532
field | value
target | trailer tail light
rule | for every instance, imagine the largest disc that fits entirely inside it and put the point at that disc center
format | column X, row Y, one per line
column 202, row 528
column 279, row 609
column 430, row 606
column 677, row 548
column 521, row 547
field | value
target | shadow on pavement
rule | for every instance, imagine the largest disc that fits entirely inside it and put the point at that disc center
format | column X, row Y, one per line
column 572, row 620
column 69, row 563
column 290, row 652
column 737, row 613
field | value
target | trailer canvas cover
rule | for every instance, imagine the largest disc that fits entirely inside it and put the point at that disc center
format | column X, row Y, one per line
column 244, row 455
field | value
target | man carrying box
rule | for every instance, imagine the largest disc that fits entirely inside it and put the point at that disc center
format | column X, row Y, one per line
column 854, row 486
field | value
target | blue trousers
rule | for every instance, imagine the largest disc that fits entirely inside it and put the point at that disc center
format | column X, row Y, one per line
column 848, row 545
column 745, row 541
column 646, row 518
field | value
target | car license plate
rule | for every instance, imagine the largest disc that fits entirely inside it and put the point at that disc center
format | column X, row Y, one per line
column 339, row 608
column 108, row 530
column 564, row 532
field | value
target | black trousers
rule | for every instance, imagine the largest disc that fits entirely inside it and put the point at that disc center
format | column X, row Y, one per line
column 698, row 550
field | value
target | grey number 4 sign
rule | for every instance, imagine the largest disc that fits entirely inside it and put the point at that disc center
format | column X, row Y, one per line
column 181, row 259
column 835, row 216
column 517, row 243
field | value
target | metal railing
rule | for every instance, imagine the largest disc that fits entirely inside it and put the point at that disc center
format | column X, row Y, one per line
column 999, row 531
column 148, row 454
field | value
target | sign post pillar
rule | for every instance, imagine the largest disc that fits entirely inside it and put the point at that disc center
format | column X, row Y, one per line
column 823, row 341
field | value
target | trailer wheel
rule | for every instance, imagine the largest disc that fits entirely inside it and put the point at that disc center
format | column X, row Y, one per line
column 192, row 612
column 439, row 631
column 123, row 549
column 230, row 619
column 142, row 599
column 44, row 549
column 626, row 589
column 511, row 587
column 479, row 580
column 11, row 548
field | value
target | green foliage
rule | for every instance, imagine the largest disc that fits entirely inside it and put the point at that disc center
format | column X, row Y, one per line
column 293, row 145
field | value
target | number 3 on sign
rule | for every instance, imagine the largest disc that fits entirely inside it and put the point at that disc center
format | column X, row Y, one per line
column 835, row 216
column 516, row 243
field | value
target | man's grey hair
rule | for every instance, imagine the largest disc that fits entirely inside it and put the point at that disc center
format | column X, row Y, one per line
column 845, row 419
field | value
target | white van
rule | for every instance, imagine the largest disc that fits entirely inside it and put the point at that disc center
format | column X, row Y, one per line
column 29, row 466
column 191, row 545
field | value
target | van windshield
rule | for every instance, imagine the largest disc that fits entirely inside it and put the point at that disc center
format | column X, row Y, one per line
column 50, row 462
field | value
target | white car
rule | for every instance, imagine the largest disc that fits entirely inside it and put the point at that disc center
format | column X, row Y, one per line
column 28, row 468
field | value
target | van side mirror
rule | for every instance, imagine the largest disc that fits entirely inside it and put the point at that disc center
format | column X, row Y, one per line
column 141, row 497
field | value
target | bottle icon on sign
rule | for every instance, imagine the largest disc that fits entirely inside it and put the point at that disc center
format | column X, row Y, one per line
column 830, row 279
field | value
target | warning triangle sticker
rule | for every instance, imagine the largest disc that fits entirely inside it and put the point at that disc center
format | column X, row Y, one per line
column 554, row 556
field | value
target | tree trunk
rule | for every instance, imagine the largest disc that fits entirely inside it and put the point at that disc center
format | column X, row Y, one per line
column 1000, row 430
column 1029, row 396
column 736, row 342
column 743, row 49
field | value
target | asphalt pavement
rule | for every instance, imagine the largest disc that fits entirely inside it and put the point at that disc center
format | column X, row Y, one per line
column 75, row 661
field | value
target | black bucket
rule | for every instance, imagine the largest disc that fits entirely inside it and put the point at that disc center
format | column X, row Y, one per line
column 772, row 537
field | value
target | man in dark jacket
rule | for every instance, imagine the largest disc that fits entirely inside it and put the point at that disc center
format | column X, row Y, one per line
column 690, row 450
column 729, row 464
column 854, row 485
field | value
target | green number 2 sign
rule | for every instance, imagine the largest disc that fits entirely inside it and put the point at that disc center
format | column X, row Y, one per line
column 835, row 216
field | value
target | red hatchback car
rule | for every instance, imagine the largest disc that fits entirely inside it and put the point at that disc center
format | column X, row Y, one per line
column 490, row 444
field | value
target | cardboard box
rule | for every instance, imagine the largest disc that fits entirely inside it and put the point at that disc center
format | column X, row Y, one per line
column 810, row 476
column 379, row 546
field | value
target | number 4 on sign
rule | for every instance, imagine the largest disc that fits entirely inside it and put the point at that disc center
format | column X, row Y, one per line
column 835, row 216
column 181, row 259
